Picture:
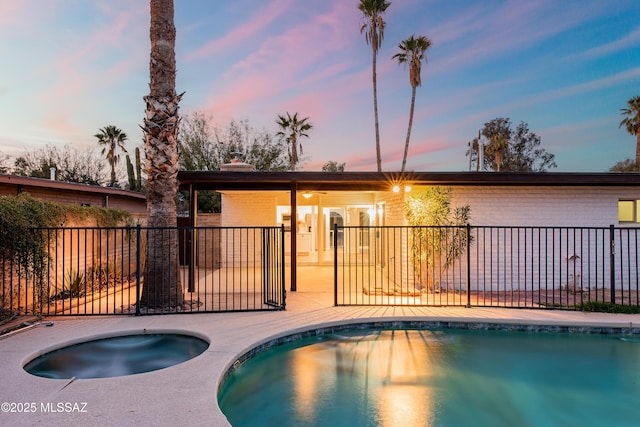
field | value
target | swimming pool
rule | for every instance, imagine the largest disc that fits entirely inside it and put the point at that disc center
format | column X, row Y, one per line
column 439, row 377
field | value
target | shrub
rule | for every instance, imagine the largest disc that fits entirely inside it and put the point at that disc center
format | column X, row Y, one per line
column 607, row 307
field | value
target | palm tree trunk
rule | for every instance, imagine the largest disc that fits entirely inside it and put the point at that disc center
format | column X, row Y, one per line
column 161, row 276
column 375, row 111
column 113, row 173
column 406, row 143
column 294, row 154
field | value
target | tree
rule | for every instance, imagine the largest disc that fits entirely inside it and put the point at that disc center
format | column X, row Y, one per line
column 412, row 51
column 373, row 28
column 72, row 165
column 632, row 122
column 161, row 126
column 3, row 160
column 511, row 150
column 626, row 165
column 292, row 131
column 197, row 149
column 332, row 166
column 112, row 138
column 498, row 132
column 258, row 148
column 439, row 237
column 206, row 147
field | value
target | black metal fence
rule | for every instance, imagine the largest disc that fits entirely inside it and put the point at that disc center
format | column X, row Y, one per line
column 533, row 267
column 101, row 270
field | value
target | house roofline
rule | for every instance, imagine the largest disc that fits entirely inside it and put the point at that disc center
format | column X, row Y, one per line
column 30, row 182
column 377, row 181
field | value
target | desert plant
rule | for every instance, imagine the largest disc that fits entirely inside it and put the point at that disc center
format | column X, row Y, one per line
column 72, row 286
column 439, row 236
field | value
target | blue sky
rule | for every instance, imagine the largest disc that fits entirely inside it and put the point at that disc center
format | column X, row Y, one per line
column 565, row 67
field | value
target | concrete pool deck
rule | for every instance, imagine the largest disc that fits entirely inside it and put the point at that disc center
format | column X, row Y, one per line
column 186, row 394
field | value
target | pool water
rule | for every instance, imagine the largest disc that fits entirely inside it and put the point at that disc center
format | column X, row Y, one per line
column 117, row 356
column 439, row 378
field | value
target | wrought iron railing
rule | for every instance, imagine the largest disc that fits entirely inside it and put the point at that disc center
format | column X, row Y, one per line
column 533, row 267
column 101, row 270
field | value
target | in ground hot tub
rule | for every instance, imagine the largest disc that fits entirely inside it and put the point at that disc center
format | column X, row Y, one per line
column 116, row 356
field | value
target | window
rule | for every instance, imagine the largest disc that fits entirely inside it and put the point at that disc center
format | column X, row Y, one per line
column 628, row 211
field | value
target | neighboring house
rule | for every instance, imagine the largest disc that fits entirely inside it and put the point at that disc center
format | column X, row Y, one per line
column 79, row 249
column 71, row 193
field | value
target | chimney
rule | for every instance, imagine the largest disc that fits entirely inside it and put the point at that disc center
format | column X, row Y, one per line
column 237, row 165
column 52, row 173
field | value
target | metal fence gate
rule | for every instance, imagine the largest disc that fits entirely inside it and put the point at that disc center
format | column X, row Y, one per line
column 100, row 270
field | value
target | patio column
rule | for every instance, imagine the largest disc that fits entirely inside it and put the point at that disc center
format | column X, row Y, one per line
column 294, row 235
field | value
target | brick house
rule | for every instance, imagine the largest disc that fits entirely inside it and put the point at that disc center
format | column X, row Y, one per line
column 309, row 203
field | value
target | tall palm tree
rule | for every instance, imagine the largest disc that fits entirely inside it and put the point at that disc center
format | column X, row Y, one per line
column 112, row 138
column 292, row 130
column 161, row 280
column 373, row 29
column 632, row 122
column 412, row 51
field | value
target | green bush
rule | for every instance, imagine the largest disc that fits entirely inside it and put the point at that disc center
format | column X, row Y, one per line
column 18, row 214
column 607, row 307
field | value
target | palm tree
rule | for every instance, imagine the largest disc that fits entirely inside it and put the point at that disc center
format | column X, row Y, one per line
column 498, row 132
column 112, row 138
column 161, row 280
column 412, row 51
column 373, row 29
column 632, row 122
column 499, row 144
column 292, row 130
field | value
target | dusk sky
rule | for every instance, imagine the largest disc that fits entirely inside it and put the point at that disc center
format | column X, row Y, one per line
column 70, row 67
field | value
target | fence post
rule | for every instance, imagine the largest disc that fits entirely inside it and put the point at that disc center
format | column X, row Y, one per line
column 468, row 265
column 282, row 269
column 612, row 263
column 335, row 264
column 138, row 263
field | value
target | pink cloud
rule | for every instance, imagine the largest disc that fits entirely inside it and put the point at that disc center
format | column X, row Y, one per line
column 58, row 122
column 291, row 61
column 75, row 68
column 25, row 17
column 259, row 21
